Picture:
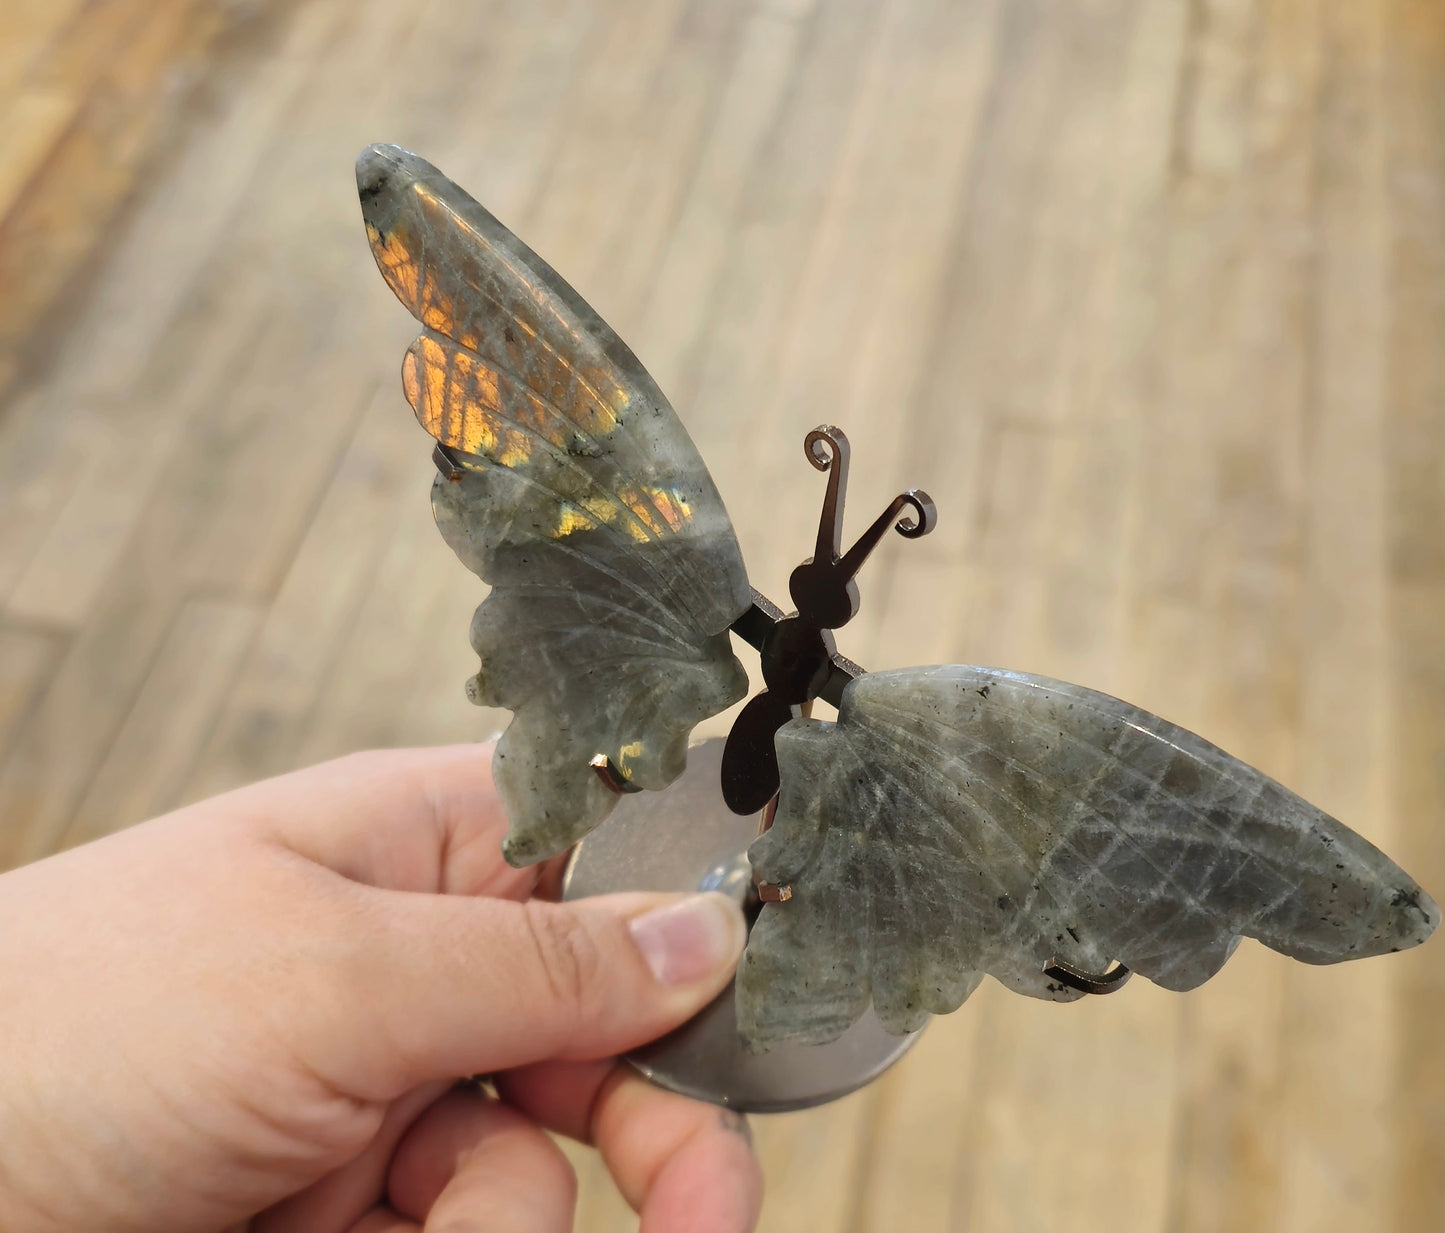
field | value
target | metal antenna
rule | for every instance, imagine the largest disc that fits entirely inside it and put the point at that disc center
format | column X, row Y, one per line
column 800, row 659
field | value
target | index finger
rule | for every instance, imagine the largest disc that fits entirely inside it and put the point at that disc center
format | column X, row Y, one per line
column 687, row 1167
column 404, row 819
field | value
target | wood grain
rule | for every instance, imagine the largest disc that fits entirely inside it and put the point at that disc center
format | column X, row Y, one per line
column 1149, row 295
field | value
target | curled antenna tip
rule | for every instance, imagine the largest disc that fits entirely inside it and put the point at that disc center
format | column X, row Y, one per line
column 925, row 514
column 823, row 445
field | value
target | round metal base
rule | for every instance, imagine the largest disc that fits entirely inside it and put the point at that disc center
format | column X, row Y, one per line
column 687, row 839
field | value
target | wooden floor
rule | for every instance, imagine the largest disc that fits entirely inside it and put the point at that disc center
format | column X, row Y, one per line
column 1149, row 294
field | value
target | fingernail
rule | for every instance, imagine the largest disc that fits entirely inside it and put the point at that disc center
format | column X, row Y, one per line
column 692, row 939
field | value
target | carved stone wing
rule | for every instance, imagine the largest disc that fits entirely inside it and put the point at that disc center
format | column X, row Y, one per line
column 576, row 493
column 958, row 821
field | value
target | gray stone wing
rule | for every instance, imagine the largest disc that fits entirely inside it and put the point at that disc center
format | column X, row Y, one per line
column 577, row 494
column 958, row 821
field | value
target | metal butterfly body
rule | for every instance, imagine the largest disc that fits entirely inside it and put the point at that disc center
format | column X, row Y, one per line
column 953, row 822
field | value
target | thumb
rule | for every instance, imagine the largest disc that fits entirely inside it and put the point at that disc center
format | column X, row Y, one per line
column 451, row 985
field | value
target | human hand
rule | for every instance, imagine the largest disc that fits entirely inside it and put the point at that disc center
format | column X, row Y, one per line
column 251, row 1013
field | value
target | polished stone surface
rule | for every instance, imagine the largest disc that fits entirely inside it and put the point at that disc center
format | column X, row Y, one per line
column 579, row 496
column 958, row 822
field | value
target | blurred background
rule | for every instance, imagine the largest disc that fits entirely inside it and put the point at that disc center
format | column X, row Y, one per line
column 1150, row 295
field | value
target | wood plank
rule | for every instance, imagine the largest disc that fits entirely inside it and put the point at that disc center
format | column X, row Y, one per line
column 128, row 445
column 164, row 257
column 1417, row 613
column 305, row 675
column 206, row 525
column 1415, row 493
column 1075, row 156
column 125, row 351
column 539, row 51
column 36, row 475
column 156, row 747
column 36, row 119
column 683, row 289
column 855, row 340
column 205, row 512
column 608, row 113
column 1070, row 1093
column 433, row 709
column 1339, row 1166
column 1245, row 201
column 865, row 314
column 1022, row 258
column 812, row 1164
column 297, row 647
column 413, row 591
column 923, row 1135
column 1151, row 295
column 28, row 29
column 426, row 701
column 737, row 367
column 115, row 61
column 27, row 657
column 648, row 165
column 95, row 39
column 1222, row 1144
column 377, row 686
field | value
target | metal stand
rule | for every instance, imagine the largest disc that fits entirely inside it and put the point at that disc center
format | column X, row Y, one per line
column 687, row 839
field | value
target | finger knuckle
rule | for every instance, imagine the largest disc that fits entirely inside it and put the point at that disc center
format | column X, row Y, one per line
column 567, row 954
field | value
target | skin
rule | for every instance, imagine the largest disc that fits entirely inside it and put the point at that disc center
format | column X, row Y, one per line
column 251, row 1014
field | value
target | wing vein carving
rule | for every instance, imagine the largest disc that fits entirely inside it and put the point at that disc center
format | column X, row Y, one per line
column 566, row 461
column 1026, row 818
column 1083, row 803
column 541, row 590
column 614, row 569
